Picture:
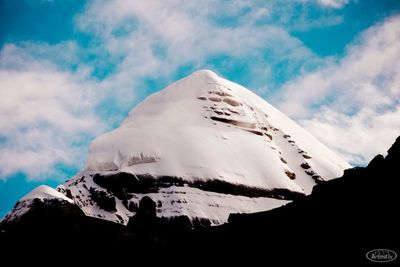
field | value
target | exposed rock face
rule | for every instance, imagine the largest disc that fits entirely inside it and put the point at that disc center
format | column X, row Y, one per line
column 104, row 200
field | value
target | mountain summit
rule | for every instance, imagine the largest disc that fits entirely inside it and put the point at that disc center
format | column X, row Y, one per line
column 203, row 147
column 204, row 127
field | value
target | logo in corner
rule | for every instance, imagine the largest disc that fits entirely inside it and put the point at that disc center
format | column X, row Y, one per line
column 381, row 255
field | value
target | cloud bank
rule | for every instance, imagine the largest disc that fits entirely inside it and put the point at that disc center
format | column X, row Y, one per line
column 45, row 114
column 353, row 105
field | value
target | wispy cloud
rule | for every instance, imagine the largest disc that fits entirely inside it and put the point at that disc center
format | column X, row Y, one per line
column 155, row 38
column 352, row 104
column 45, row 114
column 334, row 3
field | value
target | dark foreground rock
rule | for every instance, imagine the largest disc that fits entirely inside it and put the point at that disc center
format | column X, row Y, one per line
column 339, row 223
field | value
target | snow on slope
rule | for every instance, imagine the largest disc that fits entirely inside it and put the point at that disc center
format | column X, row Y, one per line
column 45, row 192
column 203, row 128
column 41, row 192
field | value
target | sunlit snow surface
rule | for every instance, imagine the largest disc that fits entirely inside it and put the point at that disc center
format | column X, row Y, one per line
column 206, row 127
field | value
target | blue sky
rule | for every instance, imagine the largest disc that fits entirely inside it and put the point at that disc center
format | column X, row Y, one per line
column 72, row 70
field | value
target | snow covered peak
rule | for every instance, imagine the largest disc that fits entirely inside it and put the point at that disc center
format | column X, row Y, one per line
column 45, row 192
column 204, row 127
column 203, row 147
column 205, row 75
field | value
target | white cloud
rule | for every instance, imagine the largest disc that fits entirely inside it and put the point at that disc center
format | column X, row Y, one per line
column 155, row 38
column 352, row 104
column 334, row 3
column 45, row 114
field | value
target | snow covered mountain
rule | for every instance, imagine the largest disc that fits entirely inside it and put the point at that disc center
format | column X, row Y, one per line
column 40, row 194
column 203, row 147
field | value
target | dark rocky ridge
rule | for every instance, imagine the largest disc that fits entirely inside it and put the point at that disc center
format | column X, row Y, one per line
column 121, row 184
column 337, row 224
column 49, row 211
